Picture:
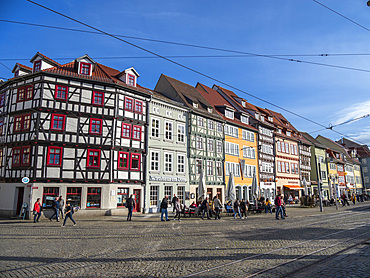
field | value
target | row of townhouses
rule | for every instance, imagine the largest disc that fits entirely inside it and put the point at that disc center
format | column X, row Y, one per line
column 93, row 135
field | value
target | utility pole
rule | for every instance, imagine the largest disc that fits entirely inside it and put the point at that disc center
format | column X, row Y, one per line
column 318, row 171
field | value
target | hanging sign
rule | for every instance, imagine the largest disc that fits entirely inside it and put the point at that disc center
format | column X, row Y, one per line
column 25, row 180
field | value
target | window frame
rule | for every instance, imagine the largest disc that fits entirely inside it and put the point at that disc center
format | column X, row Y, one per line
column 22, row 156
column 98, row 193
column 138, row 159
column 36, row 66
column 155, row 129
column 89, row 156
column 61, row 88
column 53, row 120
column 168, row 133
column 137, row 131
column 48, row 163
column 21, row 91
column 28, row 96
column 125, row 129
column 131, row 77
column 182, row 164
column 128, row 101
column 123, row 158
column 98, row 95
column 181, row 133
column 91, row 125
column 19, row 156
column 83, row 68
column 15, row 124
column 138, row 103
column 155, row 162
column 168, row 165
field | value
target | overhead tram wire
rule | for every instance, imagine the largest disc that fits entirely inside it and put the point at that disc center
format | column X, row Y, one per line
column 279, row 57
column 181, row 65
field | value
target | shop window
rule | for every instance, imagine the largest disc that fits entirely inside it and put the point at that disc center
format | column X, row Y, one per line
column 122, row 196
column 135, row 162
column 123, row 161
column 93, row 197
column 98, row 98
column 96, row 126
column 93, row 158
column 49, row 195
column 57, row 122
column 54, row 156
column 138, row 106
column 154, row 195
column 136, row 132
column 74, row 196
column 128, row 104
column 61, row 92
column 181, row 193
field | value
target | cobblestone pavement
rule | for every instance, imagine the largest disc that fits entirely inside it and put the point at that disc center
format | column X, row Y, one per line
column 306, row 244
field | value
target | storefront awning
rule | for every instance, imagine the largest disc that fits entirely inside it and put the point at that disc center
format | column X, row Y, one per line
column 294, row 187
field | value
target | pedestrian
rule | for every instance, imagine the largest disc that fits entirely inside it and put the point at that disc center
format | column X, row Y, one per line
column 69, row 213
column 243, row 209
column 56, row 209
column 164, row 206
column 205, row 208
column 61, row 206
column 218, row 206
column 353, row 198
column 237, row 208
column 178, row 209
column 173, row 202
column 344, row 200
column 279, row 209
column 268, row 206
column 130, row 204
column 36, row 211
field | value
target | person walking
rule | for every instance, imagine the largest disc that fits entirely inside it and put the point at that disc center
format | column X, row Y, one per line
column 164, row 206
column 130, row 204
column 278, row 203
column 268, row 206
column 344, row 200
column 56, row 209
column 237, row 208
column 36, row 211
column 178, row 209
column 205, row 208
column 218, row 206
column 173, row 202
column 69, row 213
column 243, row 209
column 61, row 206
column 353, row 198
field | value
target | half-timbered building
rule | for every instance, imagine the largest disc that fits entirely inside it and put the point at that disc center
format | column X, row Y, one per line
column 205, row 137
column 76, row 130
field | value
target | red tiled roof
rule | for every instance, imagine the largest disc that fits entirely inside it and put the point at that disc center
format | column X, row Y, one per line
column 46, row 58
column 23, row 66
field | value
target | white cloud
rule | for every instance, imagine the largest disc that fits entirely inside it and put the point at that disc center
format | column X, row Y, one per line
column 352, row 112
column 362, row 136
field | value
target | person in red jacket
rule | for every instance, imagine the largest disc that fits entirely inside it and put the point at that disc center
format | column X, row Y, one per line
column 278, row 206
column 37, row 211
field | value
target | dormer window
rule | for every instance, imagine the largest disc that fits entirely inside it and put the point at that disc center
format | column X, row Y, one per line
column 16, row 73
column 195, row 105
column 243, row 103
column 85, row 68
column 229, row 114
column 279, row 131
column 257, row 116
column 288, row 133
column 262, row 118
column 271, row 119
column 131, row 79
column 37, row 66
column 209, row 109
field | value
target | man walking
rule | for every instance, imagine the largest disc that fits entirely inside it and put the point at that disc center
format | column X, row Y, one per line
column 61, row 206
column 243, row 209
column 130, row 204
column 173, row 202
column 56, row 207
column 237, row 208
column 217, row 204
column 69, row 213
column 164, row 206
column 205, row 208
column 279, row 209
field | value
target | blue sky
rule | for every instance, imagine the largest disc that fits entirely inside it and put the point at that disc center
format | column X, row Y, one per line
column 323, row 94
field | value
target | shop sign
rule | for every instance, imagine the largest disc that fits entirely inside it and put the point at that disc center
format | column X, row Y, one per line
column 167, row 179
column 293, row 182
column 25, row 180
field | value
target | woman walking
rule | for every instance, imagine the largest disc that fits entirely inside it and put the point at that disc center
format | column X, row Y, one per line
column 37, row 211
column 237, row 209
column 178, row 209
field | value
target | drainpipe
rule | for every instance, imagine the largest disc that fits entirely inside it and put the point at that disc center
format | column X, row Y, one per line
column 146, row 151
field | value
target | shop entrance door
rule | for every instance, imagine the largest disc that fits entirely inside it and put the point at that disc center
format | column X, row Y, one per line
column 136, row 197
column 20, row 192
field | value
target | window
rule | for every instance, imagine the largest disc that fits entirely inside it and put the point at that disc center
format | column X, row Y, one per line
column 363, row 160
column 232, row 167
column 126, row 130
column 181, row 163
column 54, row 156
column 278, row 146
column 22, row 123
column 93, row 158
column 283, row 147
column 122, row 161
column 122, row 195
column 210, row 145
column 219, row 147
column 153, row 195
column 131, row 79
column 74, row 196
column 93, row 197
column 168, row 130
column 367, row 179
column 135, row 162
column 286, row 147
column 279, row 166
column 26, row 156
column 1, row 157
column 98, row 98
column 231, row 148
column 200, row 121
column 181, row 193
column 37, row 66
column 323, row 175
column 244, row 119
column 365, row 169
column 168, row 191
column 96, row 126
column 18, row 123
column 287, row 167
column 138, row 106
column 295, row 150
column 209, row 168
column 61, row 92
column 198, row 166
column 249, row 152
column 85, row 68
column 199, row 143
column 219, row 127
column 136, row 132
column 57, row 122
column 29, row 92
column 211, row 124
column 128, row 104
column 48, row 196
column 181, row 133
column 16, row 156
column 26, row 122
column 218, row 169
column 154, row 161
column 229, row 114
column 291, row 148
column 288, row 133
column 2, row 100
column 1, row 126
column 155, row 128
column 247, row 135
column 20, row 94
column 231, row 131
column 168, row 161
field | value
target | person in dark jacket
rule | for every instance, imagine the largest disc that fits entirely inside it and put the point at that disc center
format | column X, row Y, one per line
column 243, row 209
column 130, row 204
column 237, row 208
column 56, row 207
column 173, row 202
column 178, row 209
column 69, row 213
column 61, row 206
column 205, row 208
column 164, row 206
column 218, row 206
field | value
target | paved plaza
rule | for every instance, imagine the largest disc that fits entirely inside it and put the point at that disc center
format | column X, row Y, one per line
column 306, row 244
